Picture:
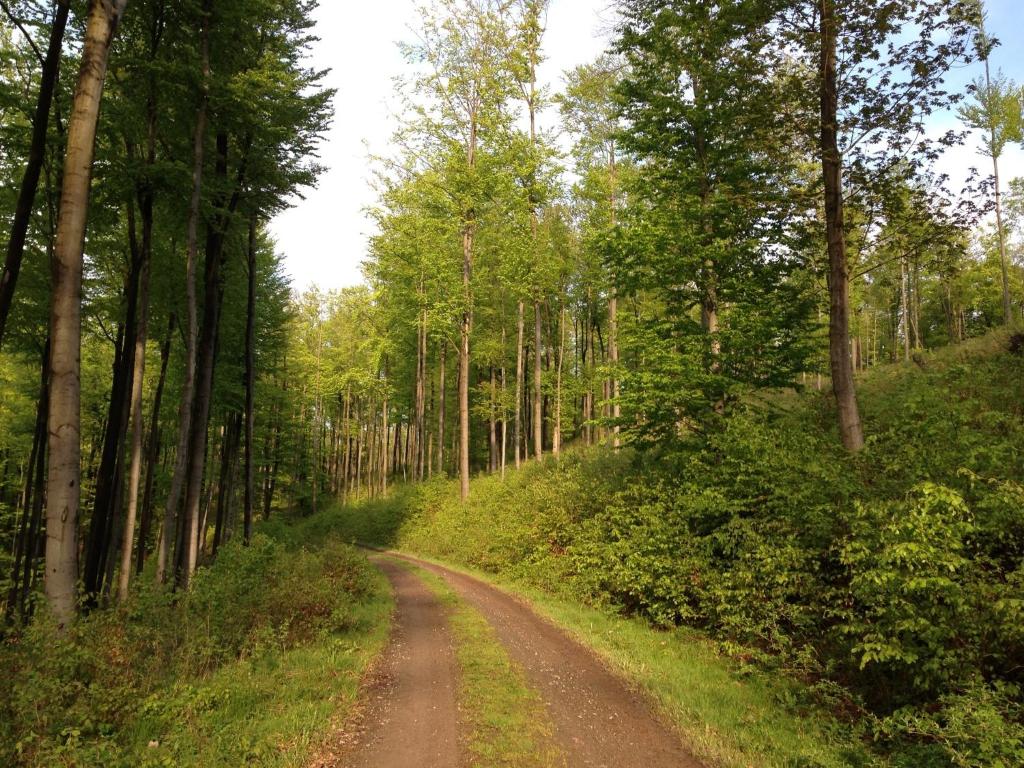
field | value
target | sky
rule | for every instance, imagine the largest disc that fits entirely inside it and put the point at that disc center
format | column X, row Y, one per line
column 324, row 235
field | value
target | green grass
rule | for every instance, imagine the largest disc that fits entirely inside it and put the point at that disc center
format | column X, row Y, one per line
column 258, row 664
column 273, row 709
column 729, row 716
column 507, row 722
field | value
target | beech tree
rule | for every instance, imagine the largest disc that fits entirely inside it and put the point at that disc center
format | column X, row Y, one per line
column 63, row 486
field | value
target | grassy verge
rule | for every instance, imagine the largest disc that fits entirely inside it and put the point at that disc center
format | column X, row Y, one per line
column 730, row 717
column 273, row 709
column 252, row 666
column 508, row 725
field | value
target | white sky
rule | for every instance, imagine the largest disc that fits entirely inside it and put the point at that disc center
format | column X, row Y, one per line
column 324, row 236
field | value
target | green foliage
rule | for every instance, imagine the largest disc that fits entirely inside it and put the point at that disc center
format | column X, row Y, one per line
column 177, row 669
column 892, row 581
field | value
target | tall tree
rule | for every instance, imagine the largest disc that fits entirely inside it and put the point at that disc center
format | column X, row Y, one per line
column 64, row 445
column 995, row 110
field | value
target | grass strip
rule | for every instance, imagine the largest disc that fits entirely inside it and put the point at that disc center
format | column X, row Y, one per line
column 729, row 717
column 507, row 720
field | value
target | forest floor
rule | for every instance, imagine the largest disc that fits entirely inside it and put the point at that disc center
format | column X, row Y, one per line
column 473, row 676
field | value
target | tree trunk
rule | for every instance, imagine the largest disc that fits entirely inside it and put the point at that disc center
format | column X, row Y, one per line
column 250, row 384
column 538, row 413
column 137, row 425
column 25, row 544
column 556, row 445
column 493, row 426
column 33, row 167
column 504, row 411
column 170, row 524
column 153, row 448
column 467, row 263
column 206, row 354
column 832, row 168
column 905, row 302
column 64, row 419
column 442, row 395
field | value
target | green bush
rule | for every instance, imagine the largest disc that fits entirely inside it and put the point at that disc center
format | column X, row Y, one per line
column 74, row 696
column 893, row 580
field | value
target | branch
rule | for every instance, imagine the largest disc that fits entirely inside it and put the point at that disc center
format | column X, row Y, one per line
column 17, row 22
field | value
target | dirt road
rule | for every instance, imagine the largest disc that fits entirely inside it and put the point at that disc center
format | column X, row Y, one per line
column 411, row 720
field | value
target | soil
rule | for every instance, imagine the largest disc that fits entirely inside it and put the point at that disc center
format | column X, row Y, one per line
column 410, row 718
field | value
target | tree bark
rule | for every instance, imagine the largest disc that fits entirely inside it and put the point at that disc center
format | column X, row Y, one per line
column 518, row 429
column 442, row 395
column 137, row 424
column 206, row 355
column 33, row 167
column 556, row 444
column 538, row 391
column 170, row 524
column 153, row 448
column 64, row 419
column 832, row 168
column 250, row 385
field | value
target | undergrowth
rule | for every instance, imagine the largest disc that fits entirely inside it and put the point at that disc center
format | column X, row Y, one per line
column 250, row 666
column 890, row 583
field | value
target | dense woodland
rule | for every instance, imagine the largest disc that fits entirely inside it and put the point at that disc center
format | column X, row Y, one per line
column 737, row 213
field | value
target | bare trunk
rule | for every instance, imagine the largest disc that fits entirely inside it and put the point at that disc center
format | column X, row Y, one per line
column 64, row 418
column 905, row 306
column 137, row 423
column 518, row 430
column 205, row 359
column 832, row 169
column 153, row 449
column 442, row 395
column 170, row 524
column 250, row 385
column 504, row 408
column 538, row 392
column 557, row 437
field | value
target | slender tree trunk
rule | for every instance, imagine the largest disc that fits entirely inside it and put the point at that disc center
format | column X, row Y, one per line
column 905, row 306
column 442, row 400
column 137, row 423
column 832, row 169
column 206, row 355
column 518, row 430
column 36, row 156
column 504, row 407
column 613, row 307
column 170, row 524
column 557, row 437
column 467, row 263
column 538, row 391
column 26, row 544
column 153, row 448
column 492, row 425
column 384, row 445
column 250, row 385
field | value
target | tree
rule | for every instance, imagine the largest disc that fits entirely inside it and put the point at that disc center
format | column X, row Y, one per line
column 996, row 111
column 64, row 419
column 876, row 88
column 706, row 245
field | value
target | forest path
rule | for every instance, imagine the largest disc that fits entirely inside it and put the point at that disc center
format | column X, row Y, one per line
column 410, row 715
column 599, row 722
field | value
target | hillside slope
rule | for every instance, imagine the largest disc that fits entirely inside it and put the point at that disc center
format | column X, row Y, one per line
column 890, row 582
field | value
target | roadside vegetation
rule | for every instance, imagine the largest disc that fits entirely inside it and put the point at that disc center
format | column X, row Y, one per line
column 253, row 665
column 889, row 583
